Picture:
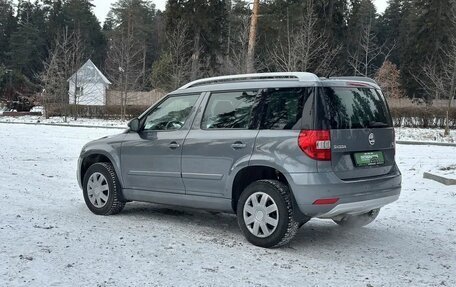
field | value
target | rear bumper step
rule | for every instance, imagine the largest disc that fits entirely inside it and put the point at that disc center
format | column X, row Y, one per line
column 359, row 207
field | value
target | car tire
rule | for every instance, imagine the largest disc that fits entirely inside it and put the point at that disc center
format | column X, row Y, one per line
column 101, row 189
column 360, row 220
column 265, row 214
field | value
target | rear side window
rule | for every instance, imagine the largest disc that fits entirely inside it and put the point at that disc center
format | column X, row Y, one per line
column 229, row 110
column 352, row 108
column 287, row 109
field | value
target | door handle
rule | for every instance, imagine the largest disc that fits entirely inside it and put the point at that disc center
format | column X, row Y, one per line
column 174, row 145
column 238, row 145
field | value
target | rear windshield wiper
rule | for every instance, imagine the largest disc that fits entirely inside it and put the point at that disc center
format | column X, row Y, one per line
column 374, row 124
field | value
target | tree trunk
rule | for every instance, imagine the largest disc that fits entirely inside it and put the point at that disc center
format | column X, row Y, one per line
column 196, row 54
column 252, row 37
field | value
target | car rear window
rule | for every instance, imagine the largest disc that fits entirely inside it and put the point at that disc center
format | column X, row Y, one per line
column 352, row 108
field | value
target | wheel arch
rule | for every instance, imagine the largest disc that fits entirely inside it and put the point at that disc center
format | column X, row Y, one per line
column 252, row 173
column 96, row 156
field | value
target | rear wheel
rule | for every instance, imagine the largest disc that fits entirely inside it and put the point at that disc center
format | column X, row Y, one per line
column 360, row 220
column 265, row 214
column 101, row 189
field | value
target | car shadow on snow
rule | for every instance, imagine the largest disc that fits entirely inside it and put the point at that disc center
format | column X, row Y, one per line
column 315, row 233
column 186, row 217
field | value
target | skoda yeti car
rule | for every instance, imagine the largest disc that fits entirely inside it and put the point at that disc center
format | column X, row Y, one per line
column 276, row 149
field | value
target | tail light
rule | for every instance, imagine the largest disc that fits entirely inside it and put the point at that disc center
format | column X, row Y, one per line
column 316, row 143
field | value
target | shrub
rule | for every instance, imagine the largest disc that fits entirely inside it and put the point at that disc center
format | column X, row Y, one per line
column 101, row 112
column 422, row 117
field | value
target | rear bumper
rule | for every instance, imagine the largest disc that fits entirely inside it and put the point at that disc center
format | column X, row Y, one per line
column 359, row 207
column 355, row 197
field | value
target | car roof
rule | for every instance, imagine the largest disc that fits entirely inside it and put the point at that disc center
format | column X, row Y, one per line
column 272, row 80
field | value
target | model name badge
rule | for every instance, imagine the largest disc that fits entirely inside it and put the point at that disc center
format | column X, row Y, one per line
column 340, row 146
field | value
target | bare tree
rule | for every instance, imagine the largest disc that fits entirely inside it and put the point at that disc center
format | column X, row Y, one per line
column 365, row 53
column 175, row 66
column 62, row 62
column 439, row 76
column 443, row 80
column 53, row 79
column 237, row 48
column 388, row 78
column 124, row 63
column 77, row 56
column 305, row 48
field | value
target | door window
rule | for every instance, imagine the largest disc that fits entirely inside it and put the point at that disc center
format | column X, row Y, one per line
column 229, row 110
column 171, row 114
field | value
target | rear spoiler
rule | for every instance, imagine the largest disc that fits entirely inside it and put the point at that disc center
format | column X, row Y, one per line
column 354, row 78
column 360, row 79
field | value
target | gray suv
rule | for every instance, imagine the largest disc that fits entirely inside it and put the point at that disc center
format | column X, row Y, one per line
column 276, row 149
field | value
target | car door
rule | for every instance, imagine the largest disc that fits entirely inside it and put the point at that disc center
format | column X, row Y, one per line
column 151, row 158
column 221, row 139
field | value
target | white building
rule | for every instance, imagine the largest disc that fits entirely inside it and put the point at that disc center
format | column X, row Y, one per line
column 88, row 86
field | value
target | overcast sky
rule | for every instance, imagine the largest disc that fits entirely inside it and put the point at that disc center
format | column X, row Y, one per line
column 102, row 6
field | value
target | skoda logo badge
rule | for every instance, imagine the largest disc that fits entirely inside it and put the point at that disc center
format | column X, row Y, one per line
column 371, row 139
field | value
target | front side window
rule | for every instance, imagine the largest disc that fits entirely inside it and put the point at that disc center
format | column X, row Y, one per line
column 229, row 110
column 170, row 114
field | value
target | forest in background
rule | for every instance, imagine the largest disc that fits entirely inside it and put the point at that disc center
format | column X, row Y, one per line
column 410, row 49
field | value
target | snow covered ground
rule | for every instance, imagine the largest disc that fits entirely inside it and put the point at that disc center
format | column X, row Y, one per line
column 426, row 135
column 404, row 134
column 49, row 238
column 70, row 121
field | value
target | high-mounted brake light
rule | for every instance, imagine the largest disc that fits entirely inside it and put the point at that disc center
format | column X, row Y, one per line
column 316, row 143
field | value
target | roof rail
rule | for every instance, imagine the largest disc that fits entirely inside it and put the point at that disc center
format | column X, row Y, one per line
column 298, row 76
column 355, row 78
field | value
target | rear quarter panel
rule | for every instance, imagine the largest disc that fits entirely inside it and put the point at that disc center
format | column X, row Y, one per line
column 279, row 149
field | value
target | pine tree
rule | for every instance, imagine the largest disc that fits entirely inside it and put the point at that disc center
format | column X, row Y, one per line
column 389, row 28
column 428, row 28
column 208, row 26
column 27, row 47
column 78, row 17
column 135, row 18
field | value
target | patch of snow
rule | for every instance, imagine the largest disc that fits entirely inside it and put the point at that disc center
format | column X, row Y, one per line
column 49, row 237
column 448, row 171
column 425, row 135
column 70, row 121
column 37, row 109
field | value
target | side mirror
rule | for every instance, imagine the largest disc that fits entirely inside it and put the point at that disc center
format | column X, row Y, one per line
column 134, row 125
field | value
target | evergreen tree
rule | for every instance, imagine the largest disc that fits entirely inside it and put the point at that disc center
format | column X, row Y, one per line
column 135, row 18
column 428, row 30
column 78, row 17
column 208, row 26
column 390, row 28
column 28, row 47
column 7, row 27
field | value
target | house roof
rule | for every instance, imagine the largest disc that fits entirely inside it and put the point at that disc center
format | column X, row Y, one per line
column 89, row 70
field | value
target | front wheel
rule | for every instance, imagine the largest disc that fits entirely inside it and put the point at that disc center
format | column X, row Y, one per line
column 101, row 189
column 265, row 214
column 360, row 220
